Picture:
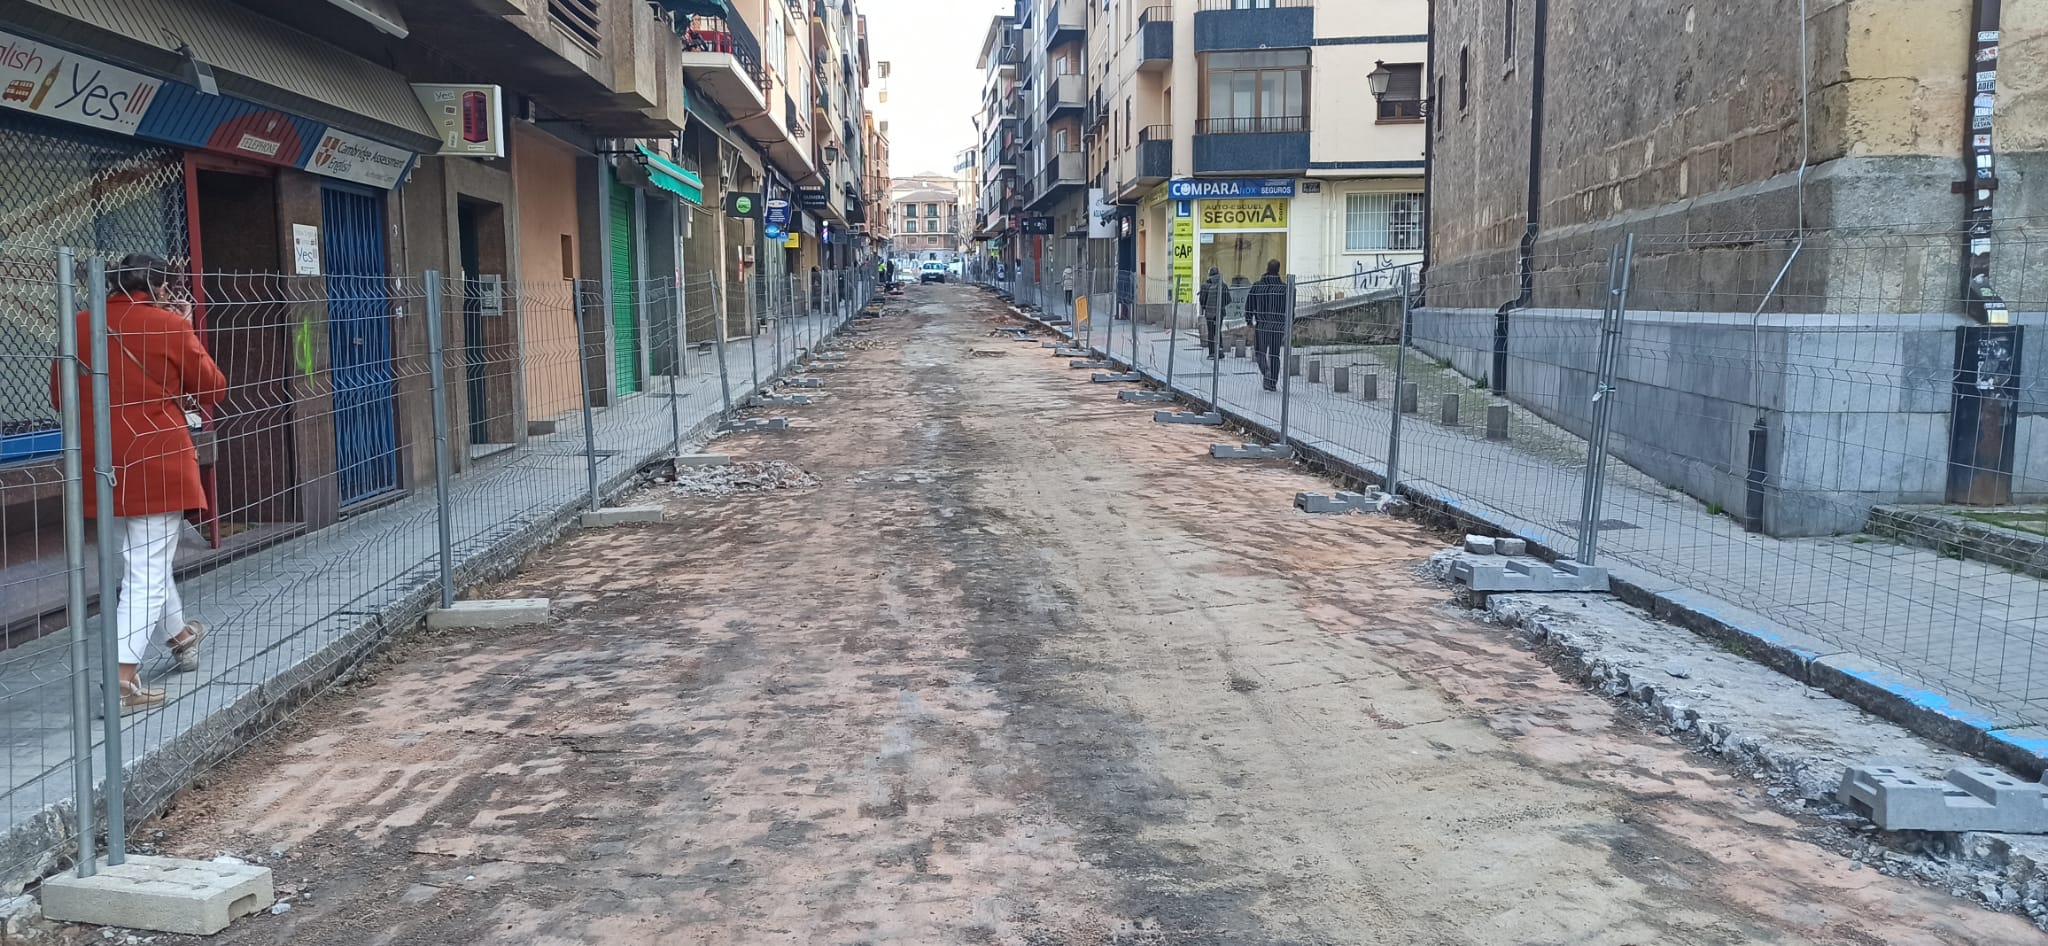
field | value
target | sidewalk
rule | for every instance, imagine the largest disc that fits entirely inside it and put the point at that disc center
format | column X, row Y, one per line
column 286, row 620
column 1944, row 645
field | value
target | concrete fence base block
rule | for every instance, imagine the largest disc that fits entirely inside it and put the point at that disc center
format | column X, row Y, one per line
column 826, row 366
column 1479, row 544
column 1294, row 366
column 1250, row 451
column 1340, row 380
column 1237, row 351
column 1052, row 344
column 691, row 460
column 1973, row 799
column 803, row 382
column 1145, row 397
column 1529, row 575
column 1450, row 410
column 1342, row 502
column 1090, row 363
column 1071, row 353
column 161, row 894
column 621, row 516
column 786, row 400
column 829, row 356
column 1117, row 377
column 1315, row 371
column 755, row 424
column 1211, row 419
column 1497, row 422
column 490, row 614
column 1408, row 397
column 1369, row 387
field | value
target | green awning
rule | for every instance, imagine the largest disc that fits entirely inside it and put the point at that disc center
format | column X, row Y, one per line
column 673, row 177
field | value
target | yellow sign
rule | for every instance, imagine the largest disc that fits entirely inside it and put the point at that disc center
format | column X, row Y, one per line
column 1184, row 259
column 795, row 241
column 1080, row 314
column 1243, row 214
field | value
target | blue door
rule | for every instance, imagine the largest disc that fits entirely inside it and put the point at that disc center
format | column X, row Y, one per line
column 359, row 339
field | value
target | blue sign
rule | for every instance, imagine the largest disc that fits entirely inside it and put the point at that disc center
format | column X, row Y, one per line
column 1230, row 188
column 778, row 214
column 772, row 232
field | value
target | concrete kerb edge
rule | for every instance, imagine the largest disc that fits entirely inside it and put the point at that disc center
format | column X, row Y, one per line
column 1955, row 722
column 36, row 846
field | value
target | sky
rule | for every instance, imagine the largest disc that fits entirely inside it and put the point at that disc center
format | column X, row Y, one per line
column 934, row 88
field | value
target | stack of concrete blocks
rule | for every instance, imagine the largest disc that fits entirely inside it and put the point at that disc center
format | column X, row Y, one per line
column 1518, row 573
column 1974, row 799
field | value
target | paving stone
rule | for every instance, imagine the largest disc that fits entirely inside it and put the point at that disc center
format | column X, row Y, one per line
column 491, row 614
column 621, row 516
column 161, row 894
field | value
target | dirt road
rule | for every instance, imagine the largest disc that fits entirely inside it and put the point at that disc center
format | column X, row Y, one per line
column 1025, row 669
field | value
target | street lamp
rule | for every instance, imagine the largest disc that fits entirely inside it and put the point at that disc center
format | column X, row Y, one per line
column 1379, row 77
column 832, row 154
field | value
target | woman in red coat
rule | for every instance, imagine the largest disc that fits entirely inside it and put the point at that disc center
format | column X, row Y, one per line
column 156, row 369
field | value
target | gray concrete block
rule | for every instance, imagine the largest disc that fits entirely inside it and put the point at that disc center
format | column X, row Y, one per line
column 1497, row 422
column 1238, row 351
column 1090, row 364
column 1294, row 366
column 491, row 614
column 539, row 428
column 1072, row 353
column 1341, row 502
column 689, row 460
column 1409, row 396
column 1369, row 386
column 1967, row 799
column 161, row 894
column 1450, row 410
column 1340, row 379
column 1144, row 397
column 785, row 400
column 1210, row 419
column 1117, row 377
column 1510, row 547
column 1480, row 544
column 829, row 356
column 803, row 382
column 1054, row 344
column 1512, row 575
column 621, row 516
column 1315, row 371
column 1250, row 451
column 753, row 424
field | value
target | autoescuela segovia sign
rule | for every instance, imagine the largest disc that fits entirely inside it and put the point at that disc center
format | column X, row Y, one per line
column 1229, row 188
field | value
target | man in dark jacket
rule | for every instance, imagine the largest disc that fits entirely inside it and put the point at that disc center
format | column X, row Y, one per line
column 1265, row 307
column 1212, row 298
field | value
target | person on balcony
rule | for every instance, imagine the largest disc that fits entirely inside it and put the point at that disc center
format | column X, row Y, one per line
column 159, row 377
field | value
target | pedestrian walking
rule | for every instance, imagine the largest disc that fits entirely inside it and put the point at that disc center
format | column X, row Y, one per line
column 1265, row 307
column 1212, row 298
column 817, row 288
column 159, row 378
column 1067, row 283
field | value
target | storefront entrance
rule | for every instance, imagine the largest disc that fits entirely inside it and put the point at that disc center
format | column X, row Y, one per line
column 359, row 340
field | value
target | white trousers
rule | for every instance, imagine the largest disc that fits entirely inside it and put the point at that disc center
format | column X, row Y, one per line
column 150, row 610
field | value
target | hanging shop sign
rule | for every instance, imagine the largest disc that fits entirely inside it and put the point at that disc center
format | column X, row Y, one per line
column 746, row 206
column 1243, row 214
column 1035, row 226
column 1184, row 259
column 814, row 198
column 777, row 214
column 57, row 83
column 358, row 160
column 469, row 118
column 1228, row 188
column 1101, row 215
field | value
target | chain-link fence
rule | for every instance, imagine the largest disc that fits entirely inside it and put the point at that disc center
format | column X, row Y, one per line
column 293, row 467
column 1806, row 436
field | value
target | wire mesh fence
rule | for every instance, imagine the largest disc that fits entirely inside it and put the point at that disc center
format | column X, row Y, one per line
column 290, row 468
column 1806, row 431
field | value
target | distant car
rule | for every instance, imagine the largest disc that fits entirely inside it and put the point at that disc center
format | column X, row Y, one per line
column 931, row 271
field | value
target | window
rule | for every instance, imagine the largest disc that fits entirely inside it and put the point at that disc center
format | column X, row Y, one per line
column 931, row 241
column 1382, row 223
column 931, row 210
column 1060, row 140
column 1464, row 77
column 1403, row 101
column 1127, row 124
column 1258, row 91
column 1507, row 30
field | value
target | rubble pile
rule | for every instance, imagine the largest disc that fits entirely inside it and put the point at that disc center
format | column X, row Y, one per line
column 742, row 477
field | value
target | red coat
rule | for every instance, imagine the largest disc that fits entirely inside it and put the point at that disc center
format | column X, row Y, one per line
column 156, row 470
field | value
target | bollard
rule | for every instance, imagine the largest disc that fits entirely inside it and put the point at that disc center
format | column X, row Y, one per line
column 1497, row 422
column 1369, row 386
column 1237, row 351
column 1294, row 366
column 1450, row 410
column 1409, row 394
column 1340, row 379
column 1315, row 371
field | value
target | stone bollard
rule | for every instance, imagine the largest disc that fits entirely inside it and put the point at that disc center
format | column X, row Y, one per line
column 1315, row 371
column 1450, row 410
column 1340, row 379
column 1497, row 422
column 1237, row 352
column 1294, row 366
column 1409, row 395
column 1369, row 386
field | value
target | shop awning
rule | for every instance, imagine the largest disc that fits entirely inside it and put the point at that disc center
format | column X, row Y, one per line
column 673, row 177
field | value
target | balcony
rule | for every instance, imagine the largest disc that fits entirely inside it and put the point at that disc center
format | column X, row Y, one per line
column 722, row 58
column 1155, row 39
column 1285, row 24
column 1154, row 162
column 1065, row 21
column 1062, row 174
column 1064, row 96
column 594, row 64
column 1274, row 144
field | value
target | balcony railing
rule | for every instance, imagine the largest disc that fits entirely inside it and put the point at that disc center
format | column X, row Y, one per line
column 715, row 34
column 1264, row 125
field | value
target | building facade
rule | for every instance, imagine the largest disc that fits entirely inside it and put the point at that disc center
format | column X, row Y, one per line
column 1869, row 209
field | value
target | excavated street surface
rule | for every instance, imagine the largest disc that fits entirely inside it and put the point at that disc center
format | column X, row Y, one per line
column 1023, row 668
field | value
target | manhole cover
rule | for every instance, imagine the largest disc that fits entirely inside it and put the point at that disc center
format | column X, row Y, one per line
column 1604, row 525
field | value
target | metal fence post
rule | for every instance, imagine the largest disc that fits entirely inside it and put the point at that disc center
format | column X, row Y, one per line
column 1286, row 357
column 721, row 324
column 583, row 372
column 1400, row 378
column 1620, row 261
column 1172, row 332
column 438, row 371
column 754, row 330
column 1132, row 293
column 74, row 563
column 675, row 374
column 110, row 564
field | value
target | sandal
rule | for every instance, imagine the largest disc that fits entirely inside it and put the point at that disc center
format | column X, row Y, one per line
column 135, row 699
column 187, row 652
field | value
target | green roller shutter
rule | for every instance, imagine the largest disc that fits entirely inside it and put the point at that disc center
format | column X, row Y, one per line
column 625, row 314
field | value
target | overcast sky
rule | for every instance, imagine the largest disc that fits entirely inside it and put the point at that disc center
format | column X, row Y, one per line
column 934, row 88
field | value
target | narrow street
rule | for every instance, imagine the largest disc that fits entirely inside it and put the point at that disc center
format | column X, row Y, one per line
column 1025, row 669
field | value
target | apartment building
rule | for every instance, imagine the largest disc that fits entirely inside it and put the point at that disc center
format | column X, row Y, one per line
column 1000, row 198
column 926, row 221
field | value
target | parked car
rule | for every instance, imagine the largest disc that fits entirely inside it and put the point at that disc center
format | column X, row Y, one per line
column 931, row 271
